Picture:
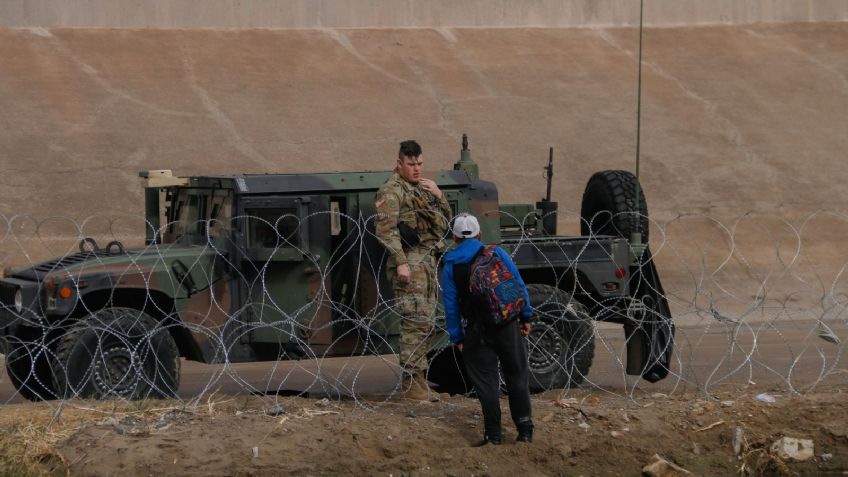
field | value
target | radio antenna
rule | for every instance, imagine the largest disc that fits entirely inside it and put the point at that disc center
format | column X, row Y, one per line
column 639, row 104
column 636, row 245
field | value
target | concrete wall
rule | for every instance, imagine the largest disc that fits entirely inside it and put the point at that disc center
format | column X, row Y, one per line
column 407, row 13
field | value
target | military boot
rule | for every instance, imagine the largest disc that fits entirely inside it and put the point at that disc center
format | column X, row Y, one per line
column 411, row 388
column 430, row 395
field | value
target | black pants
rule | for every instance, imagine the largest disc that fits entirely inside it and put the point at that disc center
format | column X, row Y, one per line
column 483, row 348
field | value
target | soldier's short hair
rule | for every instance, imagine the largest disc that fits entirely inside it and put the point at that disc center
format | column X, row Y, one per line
column 409, row 148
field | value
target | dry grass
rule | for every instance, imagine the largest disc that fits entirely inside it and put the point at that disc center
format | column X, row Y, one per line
column 29, row 450
column 28, row 440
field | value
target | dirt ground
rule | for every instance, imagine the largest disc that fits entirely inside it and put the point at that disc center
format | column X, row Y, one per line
column 577, row 433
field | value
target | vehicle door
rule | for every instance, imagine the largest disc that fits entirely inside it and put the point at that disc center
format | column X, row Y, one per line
column 287, row 241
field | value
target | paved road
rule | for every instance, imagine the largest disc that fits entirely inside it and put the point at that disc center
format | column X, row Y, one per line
column 787, row 353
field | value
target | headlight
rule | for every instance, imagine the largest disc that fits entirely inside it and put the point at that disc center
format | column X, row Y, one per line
column 19, row 300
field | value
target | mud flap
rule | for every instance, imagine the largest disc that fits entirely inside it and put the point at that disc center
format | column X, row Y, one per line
column 650, row 334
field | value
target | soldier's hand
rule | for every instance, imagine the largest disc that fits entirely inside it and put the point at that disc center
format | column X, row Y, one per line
column 431, row 187
column 459, row 347
column 403, row 273
column 524, row 328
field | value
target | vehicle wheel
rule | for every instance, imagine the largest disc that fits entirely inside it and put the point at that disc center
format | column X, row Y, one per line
column 561, row 345
column 28, row 366
column 117, row 353
column 609, row 206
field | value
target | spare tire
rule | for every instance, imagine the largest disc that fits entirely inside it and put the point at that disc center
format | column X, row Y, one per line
column 609, row 206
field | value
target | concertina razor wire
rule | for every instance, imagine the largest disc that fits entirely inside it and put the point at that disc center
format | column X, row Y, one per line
column 757, row 300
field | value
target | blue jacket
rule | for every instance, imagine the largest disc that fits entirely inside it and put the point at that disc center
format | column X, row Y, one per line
column 464, row 253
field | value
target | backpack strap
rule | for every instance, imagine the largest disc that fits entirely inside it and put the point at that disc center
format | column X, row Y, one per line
column 462, row 278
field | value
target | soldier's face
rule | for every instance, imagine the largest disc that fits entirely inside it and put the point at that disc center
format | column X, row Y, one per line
column 410, row 168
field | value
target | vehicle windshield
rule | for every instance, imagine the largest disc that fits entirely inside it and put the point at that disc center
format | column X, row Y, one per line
column 199, row 216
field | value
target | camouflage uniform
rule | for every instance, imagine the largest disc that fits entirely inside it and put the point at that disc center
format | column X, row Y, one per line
column 401, row 201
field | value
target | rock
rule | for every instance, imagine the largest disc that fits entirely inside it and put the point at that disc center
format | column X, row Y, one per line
column 701, row 407
column 322, row 403
column 108, row 421
column 659, row 396
column 659, row 467
column 583, row 425
column 255, row 452
column 791, row 448
column 275, row 411
column 616, row 434
column 727, row 403
column 161, row 425
column 826, row 457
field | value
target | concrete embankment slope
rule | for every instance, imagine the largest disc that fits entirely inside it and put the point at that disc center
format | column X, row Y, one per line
column 734, row 118
column 407, row 13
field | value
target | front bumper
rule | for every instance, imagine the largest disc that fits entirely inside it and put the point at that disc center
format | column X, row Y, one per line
column 30, row 309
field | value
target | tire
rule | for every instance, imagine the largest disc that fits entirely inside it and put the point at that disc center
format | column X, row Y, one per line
column 561, row 345
column 609, row 206
column 28, row 366
column 117, row 353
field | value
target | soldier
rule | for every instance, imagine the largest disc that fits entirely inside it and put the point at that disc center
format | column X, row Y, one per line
column 412, row 221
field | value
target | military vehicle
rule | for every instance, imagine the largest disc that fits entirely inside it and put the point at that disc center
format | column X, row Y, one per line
column 287, row 266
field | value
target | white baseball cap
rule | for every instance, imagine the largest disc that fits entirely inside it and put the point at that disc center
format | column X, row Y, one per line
column 465, row 226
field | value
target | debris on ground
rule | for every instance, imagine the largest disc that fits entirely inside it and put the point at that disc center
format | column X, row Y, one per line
column 738, row 439
column 765, row 397
column 659, row 467
column 275, row 411
column 793, row 449
column 324, row 402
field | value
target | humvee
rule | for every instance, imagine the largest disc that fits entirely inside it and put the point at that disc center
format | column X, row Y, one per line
column 286, row 266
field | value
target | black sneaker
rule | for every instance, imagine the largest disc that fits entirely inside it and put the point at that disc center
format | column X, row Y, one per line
column 524, row 437
column 494, row 440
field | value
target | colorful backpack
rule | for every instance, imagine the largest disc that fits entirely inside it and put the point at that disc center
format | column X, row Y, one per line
column 495, row 287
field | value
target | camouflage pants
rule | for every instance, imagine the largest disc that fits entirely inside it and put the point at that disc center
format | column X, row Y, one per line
column 416, row 303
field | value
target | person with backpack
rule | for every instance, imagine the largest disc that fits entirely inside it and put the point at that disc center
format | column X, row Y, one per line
column 487, row 310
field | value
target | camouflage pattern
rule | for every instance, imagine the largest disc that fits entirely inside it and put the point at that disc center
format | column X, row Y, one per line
column 416, row 303
column 401, row 201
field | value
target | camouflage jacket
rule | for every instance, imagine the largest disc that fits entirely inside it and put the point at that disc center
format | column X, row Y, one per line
column 401, row 201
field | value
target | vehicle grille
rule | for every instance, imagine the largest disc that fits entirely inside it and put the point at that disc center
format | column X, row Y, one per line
column 7, row 293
